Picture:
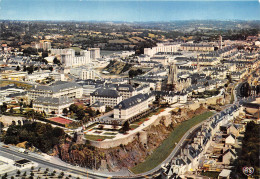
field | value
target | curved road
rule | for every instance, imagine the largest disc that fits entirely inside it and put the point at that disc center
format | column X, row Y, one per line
column 52, row 165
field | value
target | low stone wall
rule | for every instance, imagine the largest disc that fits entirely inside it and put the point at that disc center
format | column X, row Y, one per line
column 106, row 144
column 131, row 137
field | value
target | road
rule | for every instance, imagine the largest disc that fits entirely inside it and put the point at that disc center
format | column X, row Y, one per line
column 237, row 101
column 176, row 149
column 83, row 172
column 40, row 160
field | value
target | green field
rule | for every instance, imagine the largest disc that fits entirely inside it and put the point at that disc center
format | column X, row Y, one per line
column 96, row 137
column 211, row 174
column 164, row 150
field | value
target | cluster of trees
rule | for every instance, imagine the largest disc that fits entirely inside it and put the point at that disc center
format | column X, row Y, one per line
column 42, row 136
column 245, row 90
column 3, row 108
column 30, row 69
column 250, row 151
column 80, row 112
column 133, row 73
column 56, row 61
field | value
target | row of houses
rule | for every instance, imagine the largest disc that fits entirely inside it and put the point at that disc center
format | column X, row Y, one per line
column 189, row 156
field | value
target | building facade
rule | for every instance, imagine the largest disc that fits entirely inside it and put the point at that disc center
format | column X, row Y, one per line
column 108, row 97
column 58, row 89
column 132, row 106
column 52, row 105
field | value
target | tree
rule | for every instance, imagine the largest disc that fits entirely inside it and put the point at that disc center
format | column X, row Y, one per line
column 56, row 61
column 245, row 90
column 80, row 114
column 62, row 173
column 30, row 69
column 65, row 111
column 108, row 109
column 101, row 127
column 17, row 68
column 3, row 108
column 11, row 110
column 1, row 126
column 44, row 54
column 90, row 112
column 114, row 124
column 126, row 127
column 31, row 104
column 98, row 112
column 13, row 123
column 31, row 115
column 18, row 172
column 74, row 108
column 21, row 107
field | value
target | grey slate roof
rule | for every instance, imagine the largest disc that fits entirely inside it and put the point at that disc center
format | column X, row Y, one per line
column 124, row 87
column 56, row 87
column 132, row 101
column 104, row 92
column 53, row 101
column 97, row 104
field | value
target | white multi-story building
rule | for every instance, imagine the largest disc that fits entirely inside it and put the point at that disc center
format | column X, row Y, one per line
column 45, row 45
column 108, row 97
column 50, row 104
column 94, row 53
column 170, row 48
column 57, row 90
column 83, row 73
column 126, row 91
column 131, row 107
column 69, row 59
column 37, row 76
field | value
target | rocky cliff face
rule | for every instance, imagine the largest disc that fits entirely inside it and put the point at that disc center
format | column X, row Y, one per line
column 79, row 154
column 124, row 156
column 133, row 153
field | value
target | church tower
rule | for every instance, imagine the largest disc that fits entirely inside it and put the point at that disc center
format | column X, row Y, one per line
column 220, row 42
column 172, row 77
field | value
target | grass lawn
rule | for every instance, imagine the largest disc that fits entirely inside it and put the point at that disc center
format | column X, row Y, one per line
column 96, row 137
column 133, row 126
column 92, row 125
column 110, row 133
column 210, row 174
column 141, row 120
column 164, row 150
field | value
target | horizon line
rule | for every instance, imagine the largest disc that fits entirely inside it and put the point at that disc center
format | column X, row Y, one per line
column 132, row 21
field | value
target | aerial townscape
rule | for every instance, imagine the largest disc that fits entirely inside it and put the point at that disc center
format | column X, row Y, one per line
column 122, row 99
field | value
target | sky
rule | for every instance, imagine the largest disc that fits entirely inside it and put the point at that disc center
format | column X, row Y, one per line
column 131, row 11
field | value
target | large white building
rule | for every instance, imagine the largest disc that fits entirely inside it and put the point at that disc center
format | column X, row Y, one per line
column 166, row 48
column 83, row 73
column 69, row 59
column 94, row 53
column 126, row 91
column 57, row 90
column 50, row 104
column 45, row 45
column 108, row 97
column 131, row 107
